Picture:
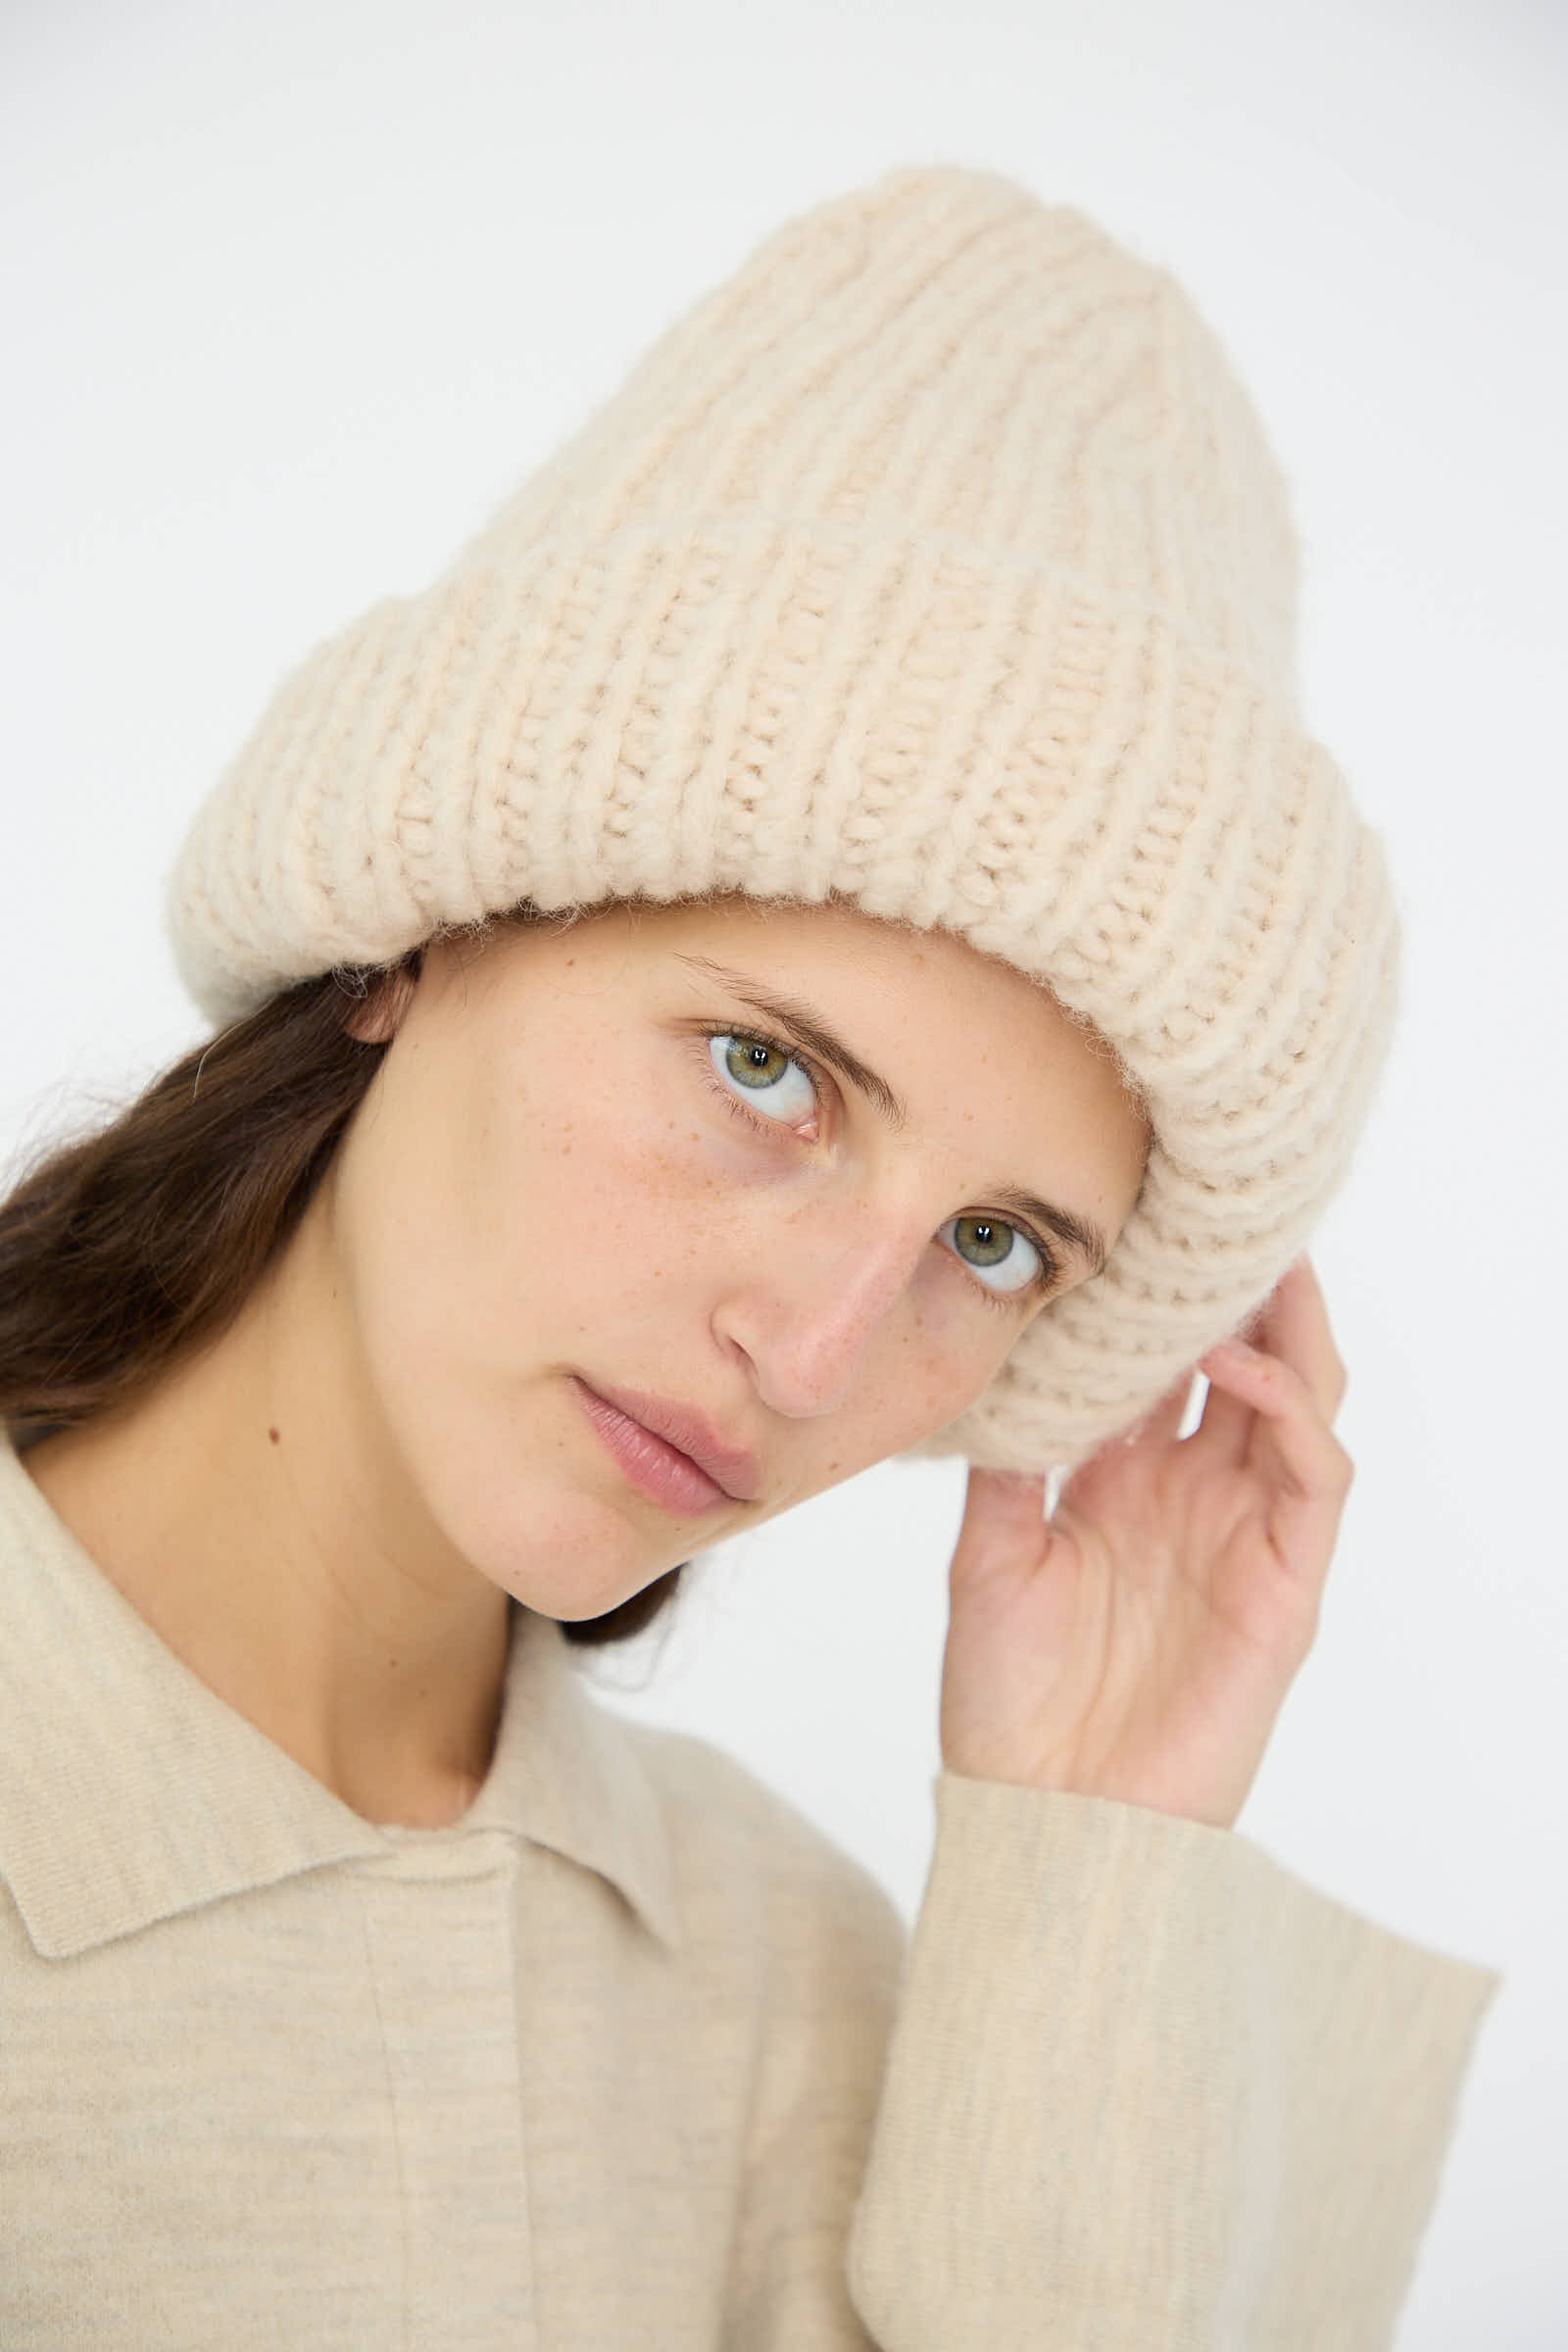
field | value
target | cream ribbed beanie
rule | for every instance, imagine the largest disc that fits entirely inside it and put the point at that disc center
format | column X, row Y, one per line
column 936, row 561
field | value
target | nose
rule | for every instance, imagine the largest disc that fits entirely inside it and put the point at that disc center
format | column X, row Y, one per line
column 813, row 1300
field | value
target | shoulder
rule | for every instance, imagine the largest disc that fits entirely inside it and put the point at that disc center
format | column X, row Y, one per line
column 751, row 1865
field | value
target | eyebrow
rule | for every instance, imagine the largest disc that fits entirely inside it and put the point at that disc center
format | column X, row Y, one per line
column 806, row 1027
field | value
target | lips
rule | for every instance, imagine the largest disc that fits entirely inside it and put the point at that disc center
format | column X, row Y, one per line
column 682, row 1426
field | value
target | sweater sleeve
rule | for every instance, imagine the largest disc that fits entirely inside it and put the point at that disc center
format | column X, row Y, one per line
column 1145, row 2086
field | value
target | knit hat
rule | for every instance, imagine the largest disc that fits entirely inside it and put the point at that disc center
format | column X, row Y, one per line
column 935, row 562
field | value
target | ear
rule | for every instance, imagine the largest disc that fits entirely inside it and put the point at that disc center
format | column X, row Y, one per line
column 377, row 1017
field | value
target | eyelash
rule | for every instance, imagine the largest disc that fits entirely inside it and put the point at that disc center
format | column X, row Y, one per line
column 1006, row 1301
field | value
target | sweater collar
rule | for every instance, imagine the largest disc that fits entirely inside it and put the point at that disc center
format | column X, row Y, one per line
column 131, row 1792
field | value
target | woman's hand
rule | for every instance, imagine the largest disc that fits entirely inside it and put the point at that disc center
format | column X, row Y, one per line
column 1140, row 1644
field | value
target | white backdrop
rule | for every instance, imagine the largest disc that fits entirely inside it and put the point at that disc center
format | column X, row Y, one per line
column 292, row 295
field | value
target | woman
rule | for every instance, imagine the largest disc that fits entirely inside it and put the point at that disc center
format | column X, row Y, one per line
column 819, row 938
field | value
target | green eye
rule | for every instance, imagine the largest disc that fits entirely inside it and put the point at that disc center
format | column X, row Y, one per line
column 986, row 1243
column 754, row 1063
column 989, row 1238
column 760, row 1069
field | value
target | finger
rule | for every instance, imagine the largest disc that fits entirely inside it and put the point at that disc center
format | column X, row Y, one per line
column 1279, row 1405
column 1303, row 1473
column 1294, row 1327
column 1224, row 1435
column 1004, row 1514
column 1145, row 1440
column 1159, row 1425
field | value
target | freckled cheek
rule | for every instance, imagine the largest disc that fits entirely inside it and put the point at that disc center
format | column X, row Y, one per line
column 913, row 1390
column 948, row 1358
column 690, row 1162
column 692, row 1198
column 612, row 1197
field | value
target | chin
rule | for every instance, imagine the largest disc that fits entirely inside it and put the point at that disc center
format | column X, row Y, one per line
column 572, row 1600
column 564, row 1555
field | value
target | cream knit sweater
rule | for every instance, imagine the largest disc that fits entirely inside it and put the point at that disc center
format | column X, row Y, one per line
column 631, row 2056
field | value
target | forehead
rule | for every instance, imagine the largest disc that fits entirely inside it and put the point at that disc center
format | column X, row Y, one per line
column 928, row 995
column 835, row 938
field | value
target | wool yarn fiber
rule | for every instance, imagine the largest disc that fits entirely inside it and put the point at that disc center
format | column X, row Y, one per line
column 936, row 563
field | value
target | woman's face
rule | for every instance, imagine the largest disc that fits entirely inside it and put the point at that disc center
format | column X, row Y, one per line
column 591, row 1162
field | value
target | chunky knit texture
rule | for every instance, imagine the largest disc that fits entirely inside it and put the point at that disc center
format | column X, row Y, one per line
column 936, row 563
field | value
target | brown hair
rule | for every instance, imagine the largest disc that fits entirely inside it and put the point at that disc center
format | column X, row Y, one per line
column 125, row 1250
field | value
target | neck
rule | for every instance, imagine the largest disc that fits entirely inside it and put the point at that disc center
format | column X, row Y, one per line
column 243, row 1509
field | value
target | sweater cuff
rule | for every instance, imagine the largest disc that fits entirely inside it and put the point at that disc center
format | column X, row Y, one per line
column 1147, row 2086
